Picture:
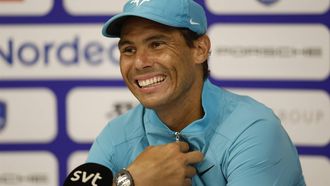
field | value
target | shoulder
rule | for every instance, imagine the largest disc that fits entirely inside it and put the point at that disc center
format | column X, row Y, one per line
column 242, row 112
column 257, row 145
column 230, row 105
column 236, row 113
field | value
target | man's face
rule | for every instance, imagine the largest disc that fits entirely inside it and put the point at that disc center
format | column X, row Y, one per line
column 157, row 65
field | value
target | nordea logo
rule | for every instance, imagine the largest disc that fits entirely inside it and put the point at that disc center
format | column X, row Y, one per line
column 57, row 52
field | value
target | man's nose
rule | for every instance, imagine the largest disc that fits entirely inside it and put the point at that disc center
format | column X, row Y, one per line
column 142, row 59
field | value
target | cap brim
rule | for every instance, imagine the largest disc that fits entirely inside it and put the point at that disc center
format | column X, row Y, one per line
column 113, row 26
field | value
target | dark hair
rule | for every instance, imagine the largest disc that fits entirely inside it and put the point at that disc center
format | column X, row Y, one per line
column 190, row 37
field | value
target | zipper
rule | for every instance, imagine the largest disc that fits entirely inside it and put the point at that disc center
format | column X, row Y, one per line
column 177, row 136
column 180, row 137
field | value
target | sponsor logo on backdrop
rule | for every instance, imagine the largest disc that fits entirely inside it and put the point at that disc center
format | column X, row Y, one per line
column 268, row 2
column 119, row 108
column 307, row 116
column 297, row 116
column 25, row 7
column 268, row 6
column 90, row 109
column 13, row 178
column 93, row 7
column 57, row 52
column 28, row 169
column 28, row 110
column 3, row 114
column 29, row 54
column 274, row 52
column 270, row 51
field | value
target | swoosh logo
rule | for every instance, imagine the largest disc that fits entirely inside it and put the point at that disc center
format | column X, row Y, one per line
column 268, row 2
column 192, row 22
column 205, row 171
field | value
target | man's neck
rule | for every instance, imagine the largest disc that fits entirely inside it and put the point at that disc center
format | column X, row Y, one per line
column 183, row 112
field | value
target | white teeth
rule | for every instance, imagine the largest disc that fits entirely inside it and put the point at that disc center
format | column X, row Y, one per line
column 151, row 81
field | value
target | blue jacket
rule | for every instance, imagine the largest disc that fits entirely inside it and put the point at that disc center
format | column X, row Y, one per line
column 243, row 142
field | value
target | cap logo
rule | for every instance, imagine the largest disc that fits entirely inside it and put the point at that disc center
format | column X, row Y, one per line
column 192, row 22
column 138, row 2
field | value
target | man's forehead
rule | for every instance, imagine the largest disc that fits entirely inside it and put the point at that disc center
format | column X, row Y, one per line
column 152, row 37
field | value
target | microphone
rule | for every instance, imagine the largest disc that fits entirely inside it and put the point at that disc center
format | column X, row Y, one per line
column 89, row 174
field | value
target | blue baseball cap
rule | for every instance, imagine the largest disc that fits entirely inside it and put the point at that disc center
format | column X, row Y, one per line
column 175, row 13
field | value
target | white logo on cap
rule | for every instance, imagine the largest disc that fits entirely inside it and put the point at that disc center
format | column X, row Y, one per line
column 138, row 2
column 193, row 22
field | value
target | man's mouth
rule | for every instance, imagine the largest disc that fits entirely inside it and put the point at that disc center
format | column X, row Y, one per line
column 150, row 82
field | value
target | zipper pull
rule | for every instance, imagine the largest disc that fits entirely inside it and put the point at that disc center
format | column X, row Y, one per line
column 177, row 136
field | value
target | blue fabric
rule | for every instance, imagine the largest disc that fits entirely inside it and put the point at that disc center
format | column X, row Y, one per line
column 242, row 140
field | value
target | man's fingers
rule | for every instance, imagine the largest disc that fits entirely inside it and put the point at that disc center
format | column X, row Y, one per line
column 194, row 157
column 190, row 171
column 184, row 147
column 187, row 182
column 189, row 157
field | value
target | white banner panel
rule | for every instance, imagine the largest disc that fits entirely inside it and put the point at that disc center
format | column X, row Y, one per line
column 278, row 52
column 268, row 6
column 89, row 109
column 57, row 52
column 25, row 7
column 28, row 169
column 305, row 114
column 93, row 7
column 30, row 115
column 316, row 170
column 77, row 158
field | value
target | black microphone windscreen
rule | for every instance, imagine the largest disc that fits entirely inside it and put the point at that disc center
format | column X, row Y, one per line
column 89, row 174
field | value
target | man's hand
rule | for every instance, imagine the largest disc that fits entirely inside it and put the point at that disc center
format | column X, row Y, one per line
column 165, row 165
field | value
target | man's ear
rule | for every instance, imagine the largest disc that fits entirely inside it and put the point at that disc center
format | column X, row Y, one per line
column 202, row 49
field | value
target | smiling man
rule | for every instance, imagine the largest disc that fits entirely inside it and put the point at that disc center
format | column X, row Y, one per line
column 186, row 131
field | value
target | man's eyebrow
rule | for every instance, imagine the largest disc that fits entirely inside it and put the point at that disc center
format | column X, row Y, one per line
column 123, row 42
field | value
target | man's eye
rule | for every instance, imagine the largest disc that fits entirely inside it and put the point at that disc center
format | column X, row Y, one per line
column 128, row 50
column 156, row 44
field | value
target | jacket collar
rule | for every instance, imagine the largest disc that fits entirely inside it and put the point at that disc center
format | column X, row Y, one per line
column 198, row 133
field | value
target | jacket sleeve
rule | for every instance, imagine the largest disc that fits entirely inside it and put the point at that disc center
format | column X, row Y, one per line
column 102, row 149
